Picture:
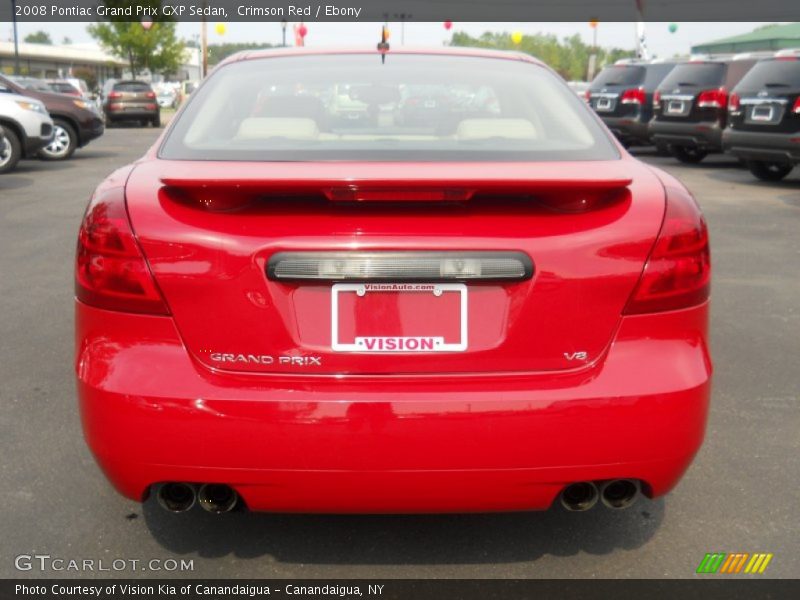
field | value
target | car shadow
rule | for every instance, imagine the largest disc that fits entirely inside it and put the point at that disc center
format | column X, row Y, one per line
column 12, row 181
column 405, row 539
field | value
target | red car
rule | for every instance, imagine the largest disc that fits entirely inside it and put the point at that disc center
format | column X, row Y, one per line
column 286, row 312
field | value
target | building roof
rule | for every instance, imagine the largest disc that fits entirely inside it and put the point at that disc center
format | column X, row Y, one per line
column 61, row 53
column 772, row 37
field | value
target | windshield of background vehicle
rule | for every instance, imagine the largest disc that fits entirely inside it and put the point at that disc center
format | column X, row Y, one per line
column 772, row 74
column 412, row 107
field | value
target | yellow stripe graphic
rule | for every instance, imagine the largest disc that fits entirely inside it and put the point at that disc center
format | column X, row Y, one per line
column 753, row 561
column 765, row 563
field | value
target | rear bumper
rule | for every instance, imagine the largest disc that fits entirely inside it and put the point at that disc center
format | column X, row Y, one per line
column 628, row 129
column 392, row 444
column 704, row 135
column 753, row 145
column 131, row 114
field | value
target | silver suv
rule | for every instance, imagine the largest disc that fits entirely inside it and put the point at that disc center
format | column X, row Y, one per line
column 27, row 128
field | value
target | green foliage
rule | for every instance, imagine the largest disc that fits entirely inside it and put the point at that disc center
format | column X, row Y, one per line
column 218, row 52
column 39, row 37
column 568, row 56
column 157, row 49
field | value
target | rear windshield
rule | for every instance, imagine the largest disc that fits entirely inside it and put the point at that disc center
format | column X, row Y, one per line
column 656, row 74
column 619, row 75
column 412, row 107
column 131, row 86
column 778, row 74
column 695, row 74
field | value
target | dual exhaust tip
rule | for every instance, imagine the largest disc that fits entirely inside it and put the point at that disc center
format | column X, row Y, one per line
column 178, row 497
column 615, row 493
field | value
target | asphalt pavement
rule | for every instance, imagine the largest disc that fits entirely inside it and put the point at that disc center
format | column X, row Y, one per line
column 742, row 493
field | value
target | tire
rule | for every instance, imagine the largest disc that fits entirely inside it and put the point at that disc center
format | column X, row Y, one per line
column 156, row 121
column 65, row 140
column 689, row 154
column 769, row 171
column 10, row 151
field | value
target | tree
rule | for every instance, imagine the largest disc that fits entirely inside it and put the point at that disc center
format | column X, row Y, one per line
column 569, row 57
column 67, row 40
column 219, row 52
column 39, row 37
column 156, row 49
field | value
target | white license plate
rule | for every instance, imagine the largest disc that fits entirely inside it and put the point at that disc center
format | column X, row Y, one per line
column 762, row 113
column 675, row 107
column 398, row 317
column 603, row 104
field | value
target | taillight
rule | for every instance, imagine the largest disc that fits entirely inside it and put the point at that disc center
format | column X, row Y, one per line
column 796, row 107
column 587, row 95
column 110, row 269
column 733, row 103
column 114, row 95
column 633, row 96
column 656, row 100
column 678, row 272
column 151, row 94
column 717, row 98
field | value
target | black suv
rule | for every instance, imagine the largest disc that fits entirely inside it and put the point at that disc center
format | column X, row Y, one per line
column 691, row 106
column 622, row 96
column 764, row 118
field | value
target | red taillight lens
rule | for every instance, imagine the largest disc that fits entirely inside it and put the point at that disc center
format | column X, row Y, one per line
column 717, row 98
column 114, row 95
column 587, row 96
column 678, row 272
column 796, row 107
column 151, row 94
column 656, row 100
column 633, row 96
column 110, row 269
column 733, row 103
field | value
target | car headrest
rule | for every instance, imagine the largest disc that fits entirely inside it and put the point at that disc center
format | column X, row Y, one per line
column 478, row 129
column 259, row 128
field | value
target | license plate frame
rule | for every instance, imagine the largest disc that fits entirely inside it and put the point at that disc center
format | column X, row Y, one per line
column 762, row 113
column 675, row 107
column 360, row 344
column 603, row 104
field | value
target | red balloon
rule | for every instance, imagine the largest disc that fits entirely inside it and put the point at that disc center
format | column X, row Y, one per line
column 448, row 25
column 302, row 30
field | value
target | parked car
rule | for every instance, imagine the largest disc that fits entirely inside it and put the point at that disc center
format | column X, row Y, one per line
column 622, row 95
column 389, row 318
column 62, row 86
column 167, row 98
column 764, row 117
column 26, row 126
column 691, row 106
column 76, row 122
column 130, row 100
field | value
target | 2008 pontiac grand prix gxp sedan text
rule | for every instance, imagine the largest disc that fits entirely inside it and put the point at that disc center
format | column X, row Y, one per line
column 431, row 284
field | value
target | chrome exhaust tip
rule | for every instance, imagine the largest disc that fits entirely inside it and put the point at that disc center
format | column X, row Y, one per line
column 580, row 496
column 176, row 497
column 620, row 493
column 217, row 497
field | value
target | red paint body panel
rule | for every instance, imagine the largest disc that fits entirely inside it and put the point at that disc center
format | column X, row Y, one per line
column 392, row 444
column 211, row 266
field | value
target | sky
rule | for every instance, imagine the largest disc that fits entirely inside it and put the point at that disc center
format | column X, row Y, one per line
column 659, row 39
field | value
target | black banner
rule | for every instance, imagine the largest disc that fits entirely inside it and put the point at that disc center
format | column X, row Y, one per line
column 405, row 10
column 406, row 589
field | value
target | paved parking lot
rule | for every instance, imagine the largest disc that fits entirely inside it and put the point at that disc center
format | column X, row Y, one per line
column 741, row 495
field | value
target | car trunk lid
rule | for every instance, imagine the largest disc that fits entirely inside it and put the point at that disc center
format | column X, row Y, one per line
column 211, row 243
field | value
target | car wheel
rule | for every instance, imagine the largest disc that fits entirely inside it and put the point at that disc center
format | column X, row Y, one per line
column 65, row 140
column 156, row 121
column 769, row 171
column 10, row 151
column 689, row 154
